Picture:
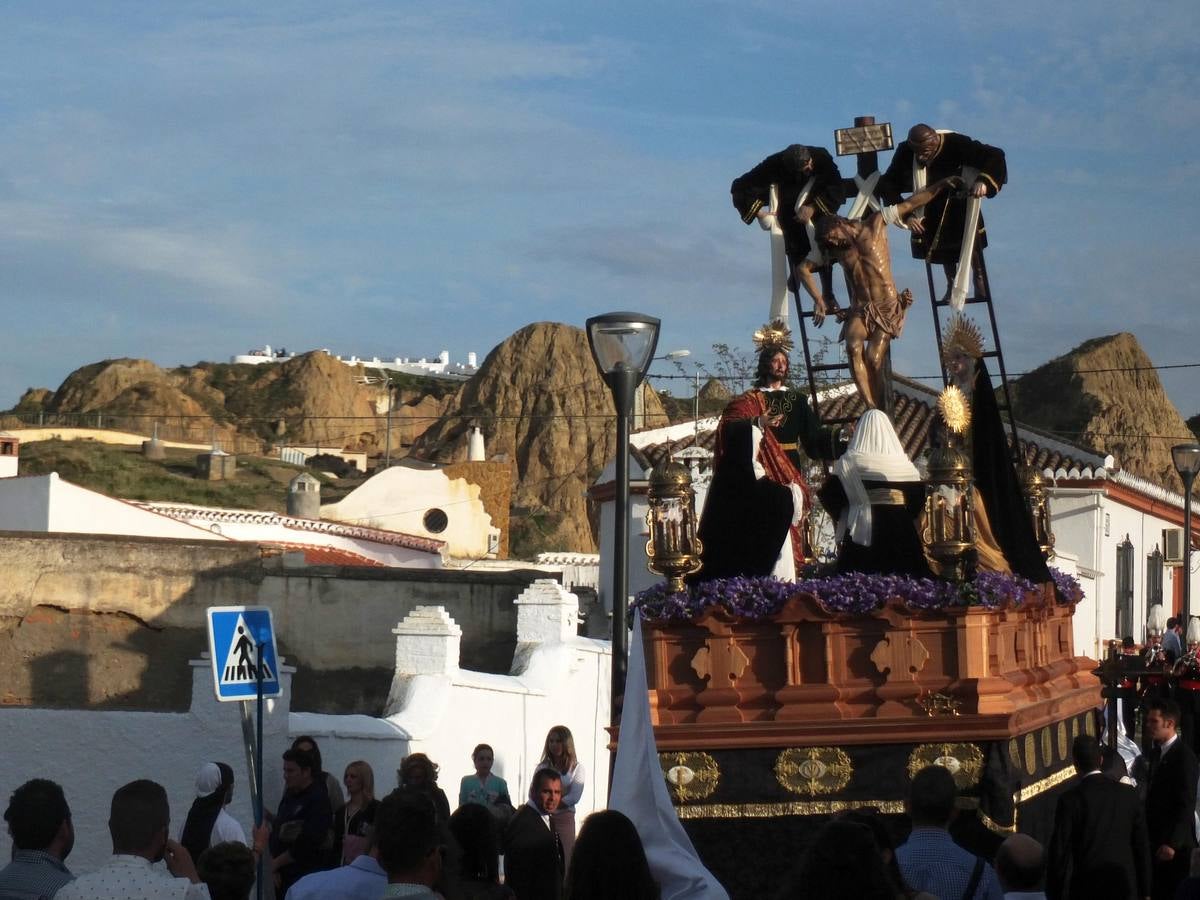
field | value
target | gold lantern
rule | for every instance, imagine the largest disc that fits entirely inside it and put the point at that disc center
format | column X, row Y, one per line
column 673, row 549
column 949, row 526
column 1033, row 485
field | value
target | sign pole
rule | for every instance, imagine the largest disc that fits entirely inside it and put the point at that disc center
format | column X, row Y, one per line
column 258, row 760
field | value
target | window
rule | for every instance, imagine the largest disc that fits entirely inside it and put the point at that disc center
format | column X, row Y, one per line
column 1124, row 624
column 1154, row 578
column 435, row 521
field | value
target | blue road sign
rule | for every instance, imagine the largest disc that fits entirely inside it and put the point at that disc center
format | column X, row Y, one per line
column 234, row 636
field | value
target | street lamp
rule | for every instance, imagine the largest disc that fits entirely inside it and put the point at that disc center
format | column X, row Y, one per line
column 1187, row 463
column 623, row 344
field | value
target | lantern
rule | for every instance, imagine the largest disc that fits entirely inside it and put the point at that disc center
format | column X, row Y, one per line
column 673, row 549
column 949, row 531
column 1033, row 485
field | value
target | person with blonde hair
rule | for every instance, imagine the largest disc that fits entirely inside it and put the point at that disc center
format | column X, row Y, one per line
column 558, row 754
column 352, row 821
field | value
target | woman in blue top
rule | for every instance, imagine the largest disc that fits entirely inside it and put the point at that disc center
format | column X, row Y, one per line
column 483, row 787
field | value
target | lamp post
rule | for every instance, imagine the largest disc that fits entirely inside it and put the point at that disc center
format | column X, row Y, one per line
column 622, row 344
column 1187, row 463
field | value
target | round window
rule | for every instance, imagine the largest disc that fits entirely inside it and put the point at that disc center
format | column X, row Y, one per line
column 435, row 521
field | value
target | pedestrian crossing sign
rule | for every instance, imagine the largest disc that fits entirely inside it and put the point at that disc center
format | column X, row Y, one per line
column 235, row 634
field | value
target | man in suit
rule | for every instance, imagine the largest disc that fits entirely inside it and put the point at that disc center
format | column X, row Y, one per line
column 1171, row 799
column 1100, row 846
column 533, row 856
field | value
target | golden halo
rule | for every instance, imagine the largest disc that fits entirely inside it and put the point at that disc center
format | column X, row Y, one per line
column 775, row 335
column 955, row 409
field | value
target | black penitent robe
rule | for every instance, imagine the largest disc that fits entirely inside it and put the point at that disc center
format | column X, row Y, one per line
column 998, row 484
column 752, row 191
column 746, row 519
column 895, row 545
column 946, row 214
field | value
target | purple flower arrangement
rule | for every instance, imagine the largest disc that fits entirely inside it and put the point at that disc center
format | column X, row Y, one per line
column 850, row 593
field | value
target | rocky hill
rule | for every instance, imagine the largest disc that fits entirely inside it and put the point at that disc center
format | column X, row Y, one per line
column 309, row 399
column 1104, row 394
column 539, row 399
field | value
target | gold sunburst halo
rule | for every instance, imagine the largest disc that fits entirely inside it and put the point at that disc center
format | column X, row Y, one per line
column 962, row 336
column 955, row 409
column 775, row 335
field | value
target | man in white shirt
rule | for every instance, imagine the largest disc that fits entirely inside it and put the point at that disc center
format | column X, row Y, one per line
column 139, row 822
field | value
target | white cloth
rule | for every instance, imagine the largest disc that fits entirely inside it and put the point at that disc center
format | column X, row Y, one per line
column 131, row 878
column 874, row 454
column 640, row 792
column 227, row 829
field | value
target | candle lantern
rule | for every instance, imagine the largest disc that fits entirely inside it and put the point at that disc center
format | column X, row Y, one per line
column 1033, row 485
column 949, row 526
column 673, row 549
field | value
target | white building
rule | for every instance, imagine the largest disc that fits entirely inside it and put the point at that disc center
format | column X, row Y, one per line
column 440, row 366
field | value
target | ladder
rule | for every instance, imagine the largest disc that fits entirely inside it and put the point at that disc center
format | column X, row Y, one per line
column 940, row 303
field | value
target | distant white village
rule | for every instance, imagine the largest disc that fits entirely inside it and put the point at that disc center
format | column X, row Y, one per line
column 441, row 366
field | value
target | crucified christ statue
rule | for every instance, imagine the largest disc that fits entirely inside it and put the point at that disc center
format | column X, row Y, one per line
column 877, row 310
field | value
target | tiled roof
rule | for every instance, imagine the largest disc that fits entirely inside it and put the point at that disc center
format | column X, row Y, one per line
column 914, row 413
column 330, row 556
column 321, row 526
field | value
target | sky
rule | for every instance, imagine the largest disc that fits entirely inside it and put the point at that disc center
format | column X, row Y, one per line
column 185, row 181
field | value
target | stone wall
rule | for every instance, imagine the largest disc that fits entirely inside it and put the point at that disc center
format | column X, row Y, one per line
column 100, row 622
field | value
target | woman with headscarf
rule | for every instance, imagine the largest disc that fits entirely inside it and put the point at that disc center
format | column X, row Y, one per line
column 875, row 495
column 207, row 821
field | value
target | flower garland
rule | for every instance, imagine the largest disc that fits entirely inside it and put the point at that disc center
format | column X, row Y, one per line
column 850, row 593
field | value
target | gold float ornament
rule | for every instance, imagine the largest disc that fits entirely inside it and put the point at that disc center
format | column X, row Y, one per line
column 963, row 761
column 961, row 338
column 813, row 771
column 939, row 704
column 673, row 549
column 691, row 775
column 1014, row 753
column 775, row 335
column 955, row 409
column 1031, row 765
column 1062, row 741
column 1047, row 742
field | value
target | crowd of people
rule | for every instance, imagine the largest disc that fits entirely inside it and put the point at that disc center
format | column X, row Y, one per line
column 1110, row 839
column 323, row 843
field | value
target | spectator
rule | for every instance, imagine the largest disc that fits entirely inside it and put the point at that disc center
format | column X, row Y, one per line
column 139, row 821
column 363, row 879
column 474, row 831
column 207, row 821
column 1100, row 846
column 1021, row 868
column 39, row 823
column 929, row 859
column 332, row 786
column 533, row 857
column 870, row 817
column 485, row 788
column 301, row 823
column 1170, row 799
column 419, row 773
column 609, row 861
column 352, row 823
column 406, row 836
column 559, row 755
column 228, row 869
column 842, row 863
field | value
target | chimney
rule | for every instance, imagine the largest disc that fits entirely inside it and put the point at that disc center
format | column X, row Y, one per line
column 475, row 448
column 304, row 497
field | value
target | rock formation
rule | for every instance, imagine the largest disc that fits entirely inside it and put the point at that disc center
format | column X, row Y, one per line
column 539, row 399
column 1105, row 395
